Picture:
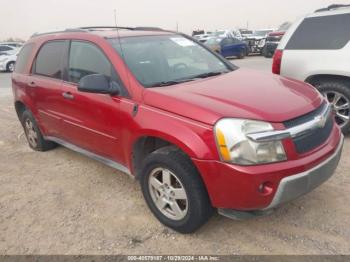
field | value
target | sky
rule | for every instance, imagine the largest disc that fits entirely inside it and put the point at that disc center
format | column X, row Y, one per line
column 22, row 18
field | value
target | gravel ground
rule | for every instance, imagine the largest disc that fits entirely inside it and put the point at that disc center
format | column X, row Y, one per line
column 61, row 202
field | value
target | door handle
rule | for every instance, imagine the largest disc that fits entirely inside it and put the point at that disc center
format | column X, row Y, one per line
column 32, row 84
column 68, row 95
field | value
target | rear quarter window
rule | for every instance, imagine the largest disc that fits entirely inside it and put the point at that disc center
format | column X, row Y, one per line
column 23, row 57
column 321, row 33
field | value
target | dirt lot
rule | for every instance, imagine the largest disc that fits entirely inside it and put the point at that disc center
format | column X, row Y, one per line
column 60, row 202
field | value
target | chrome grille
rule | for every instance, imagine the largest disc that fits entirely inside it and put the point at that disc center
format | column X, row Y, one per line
column 314, row 138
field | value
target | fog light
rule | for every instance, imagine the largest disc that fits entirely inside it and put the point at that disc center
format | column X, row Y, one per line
column 265, row 188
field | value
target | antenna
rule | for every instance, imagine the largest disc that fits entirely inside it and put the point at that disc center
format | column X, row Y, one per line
column 115, row 17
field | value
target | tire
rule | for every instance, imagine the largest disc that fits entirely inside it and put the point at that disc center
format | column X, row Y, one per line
column 330, row 87
column 195, row 210
column 34, row 137
column 10, row 67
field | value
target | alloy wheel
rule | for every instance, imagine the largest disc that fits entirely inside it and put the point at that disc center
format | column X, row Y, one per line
column 31, row 133
column 168, row 193
column 341, row 106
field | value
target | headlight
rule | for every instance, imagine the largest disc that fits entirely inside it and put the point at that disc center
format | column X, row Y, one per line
column 235, row 147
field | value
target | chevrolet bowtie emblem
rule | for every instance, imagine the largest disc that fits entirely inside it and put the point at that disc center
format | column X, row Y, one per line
column 321, row 120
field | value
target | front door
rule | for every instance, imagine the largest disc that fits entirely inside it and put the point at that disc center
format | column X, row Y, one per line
column 92, row 121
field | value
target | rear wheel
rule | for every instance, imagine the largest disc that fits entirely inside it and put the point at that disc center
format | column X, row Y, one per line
column 174, row 190
column 34, row 137
column 338, row 95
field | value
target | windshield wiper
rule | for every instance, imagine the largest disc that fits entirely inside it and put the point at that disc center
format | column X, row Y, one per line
column 175, row 82
column 209, row 74
column 170, row 83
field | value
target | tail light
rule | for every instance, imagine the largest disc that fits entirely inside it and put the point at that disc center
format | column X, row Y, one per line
column 277, row 61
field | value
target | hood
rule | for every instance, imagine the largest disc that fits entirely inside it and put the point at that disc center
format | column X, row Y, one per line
column 243, row 93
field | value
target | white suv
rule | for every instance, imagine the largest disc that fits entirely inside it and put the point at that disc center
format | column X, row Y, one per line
column 316, row 49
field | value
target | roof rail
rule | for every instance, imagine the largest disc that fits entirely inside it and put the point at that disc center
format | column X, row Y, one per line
column 331, row 7
column 91, row 28
column 140, row 28
column 96, row 28
column 59, row 31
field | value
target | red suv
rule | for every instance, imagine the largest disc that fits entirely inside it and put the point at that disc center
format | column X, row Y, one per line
column 196, row 131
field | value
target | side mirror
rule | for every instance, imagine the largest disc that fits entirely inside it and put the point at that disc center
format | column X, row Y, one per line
column 100, row 84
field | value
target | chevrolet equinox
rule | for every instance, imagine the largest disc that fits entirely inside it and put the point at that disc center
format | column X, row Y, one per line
column 199, row 133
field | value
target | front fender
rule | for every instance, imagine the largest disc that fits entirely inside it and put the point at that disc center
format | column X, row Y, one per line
column 194, row 138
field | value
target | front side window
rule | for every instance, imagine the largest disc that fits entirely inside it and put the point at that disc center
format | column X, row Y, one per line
column 321, row 33
column 164, row 58
column 87, row 59
column 49, row 59
column 227, row 41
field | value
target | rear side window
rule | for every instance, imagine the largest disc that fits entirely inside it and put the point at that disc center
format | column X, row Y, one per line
column 23, row 57
column 321, row 33
column 87, row 59
column 49, row 59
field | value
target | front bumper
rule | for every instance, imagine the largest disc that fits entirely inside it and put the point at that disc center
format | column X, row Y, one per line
column 238, row 187
column 292, row 187
column 2, row 66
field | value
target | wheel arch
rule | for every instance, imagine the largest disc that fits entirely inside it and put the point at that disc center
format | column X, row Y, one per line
column 316, row 79
column 147, row 143
column 20, row 107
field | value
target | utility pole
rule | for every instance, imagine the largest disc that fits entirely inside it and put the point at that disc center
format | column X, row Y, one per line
column 177, row 26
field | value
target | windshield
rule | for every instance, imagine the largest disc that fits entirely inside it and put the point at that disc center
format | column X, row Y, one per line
column 157, row 60
column 261, row 32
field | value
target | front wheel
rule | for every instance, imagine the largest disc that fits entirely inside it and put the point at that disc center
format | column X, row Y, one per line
column 174, row 190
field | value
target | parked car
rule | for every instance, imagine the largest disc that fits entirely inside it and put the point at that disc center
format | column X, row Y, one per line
column 273, row 39
column 7, row 62
column 13, row 44
column 203, row 37
column 256, row 41
column 6, row 49
column 198, row 132
column 232, row 33
column 228, row 46
column 198, row 32
column 316, row 50
column 245, row 33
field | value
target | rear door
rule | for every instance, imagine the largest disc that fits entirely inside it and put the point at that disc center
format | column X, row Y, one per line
column 92, row 121
column 44, row 86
